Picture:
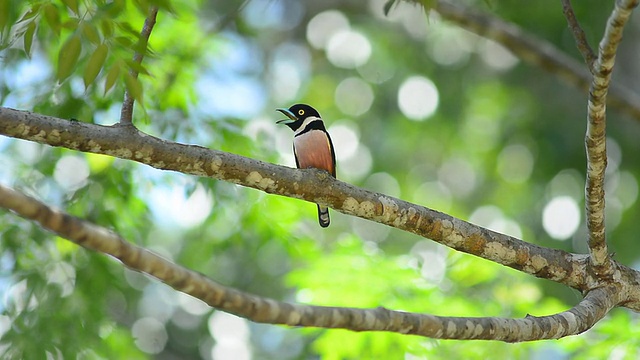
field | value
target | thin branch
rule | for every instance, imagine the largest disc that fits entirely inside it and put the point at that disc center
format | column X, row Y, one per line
column 228, row 18
column 595, row 139
column 582, row 317
column 578, row 34
column 126, row 113
column 536, row 51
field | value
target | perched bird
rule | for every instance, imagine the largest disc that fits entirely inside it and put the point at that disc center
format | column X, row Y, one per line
column 312, row 145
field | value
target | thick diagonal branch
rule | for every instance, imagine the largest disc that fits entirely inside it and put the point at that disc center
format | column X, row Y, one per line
column 594, row 307
column 595, row 139
column 536, row 51
column 126, row 113
column 309, row 184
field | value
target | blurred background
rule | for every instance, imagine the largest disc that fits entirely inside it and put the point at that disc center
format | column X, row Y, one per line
column 417, row 107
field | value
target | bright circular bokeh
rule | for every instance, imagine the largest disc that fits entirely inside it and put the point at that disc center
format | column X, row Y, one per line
column 561, row 217
column 418, row 98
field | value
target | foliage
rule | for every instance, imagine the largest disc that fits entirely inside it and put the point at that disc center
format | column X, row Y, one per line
column 503, row 141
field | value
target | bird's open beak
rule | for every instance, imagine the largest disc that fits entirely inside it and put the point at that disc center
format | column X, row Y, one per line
column 289, row 114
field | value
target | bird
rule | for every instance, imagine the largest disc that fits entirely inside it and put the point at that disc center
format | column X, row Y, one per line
column 312, row 146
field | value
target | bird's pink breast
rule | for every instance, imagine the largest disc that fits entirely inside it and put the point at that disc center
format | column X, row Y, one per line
column 314, row 151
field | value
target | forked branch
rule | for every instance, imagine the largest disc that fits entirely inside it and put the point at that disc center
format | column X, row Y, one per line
column 535, row 51
column 583, row 316
column 595, row 138
column 578, row 34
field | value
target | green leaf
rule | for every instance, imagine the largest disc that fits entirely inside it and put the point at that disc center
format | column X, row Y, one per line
column 31, row 13
column 68, row 57
column 112, row 76
column 52, row 15
column 143, row 6
column 429, row 4
column 4, row 14
column 95, row 64
column 114, row 8
column 125, row 42
column 28, row 37
column 71, row 24
column 164, row 5
column 134, row 87
column 107, row 26
column 72, row 5
column 128, row 29
column 139, row 68
column 90, row 32
column 387, row 7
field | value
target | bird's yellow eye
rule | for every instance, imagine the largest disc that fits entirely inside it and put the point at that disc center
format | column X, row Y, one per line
column 300, row 112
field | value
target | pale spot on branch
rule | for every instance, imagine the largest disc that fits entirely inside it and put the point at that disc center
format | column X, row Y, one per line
column 121, row 153
column 261, row 182
column 539, row 262
column 350, row 204
column 495, row 250
column 216, row 162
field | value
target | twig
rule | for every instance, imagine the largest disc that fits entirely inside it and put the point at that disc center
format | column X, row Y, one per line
column 536, row 51
column 228, row 18
column 595, row 139
column 126, row 114
column 578, row 34
column 580, row 318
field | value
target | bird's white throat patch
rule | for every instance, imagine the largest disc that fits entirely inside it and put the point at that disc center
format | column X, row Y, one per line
column 306, row 122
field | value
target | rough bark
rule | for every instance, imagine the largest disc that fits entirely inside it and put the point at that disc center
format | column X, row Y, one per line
column 580, row 318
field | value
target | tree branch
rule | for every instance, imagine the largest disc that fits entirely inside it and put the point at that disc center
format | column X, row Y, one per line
column 578, row 34
column 595, row 138
column 318, row 187
column 583, row 316
column 537, row 52
column 126, row 113
column 308, row 184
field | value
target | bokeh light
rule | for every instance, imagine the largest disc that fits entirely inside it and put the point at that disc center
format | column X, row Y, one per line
column 273, row 14
column 322, row 27
column 433, row 259
column 290, row 65
column 384, row 183
column 492, row 218
column 348, row 49
column 150, row 335
column 71, row 172
column 231, row 335
column 627, row 189
column 496, row 56
column 433, row 194
column 64, row 275
column 567, row 182
column 418, row 98
column 171, row 205
column 354, row 168
column 450, row 45
column 614, row 155
column 353, row 96
column 346, row 134
column 515, row 163
column 561, row 217
column 458, row 175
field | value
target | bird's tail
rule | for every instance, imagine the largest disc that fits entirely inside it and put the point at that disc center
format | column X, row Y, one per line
column 323, row 216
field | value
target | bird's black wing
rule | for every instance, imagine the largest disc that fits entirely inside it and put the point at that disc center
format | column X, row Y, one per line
column 295, row 155
column 333, row 154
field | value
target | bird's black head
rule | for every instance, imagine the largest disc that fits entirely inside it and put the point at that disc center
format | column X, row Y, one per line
column 296, row 115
